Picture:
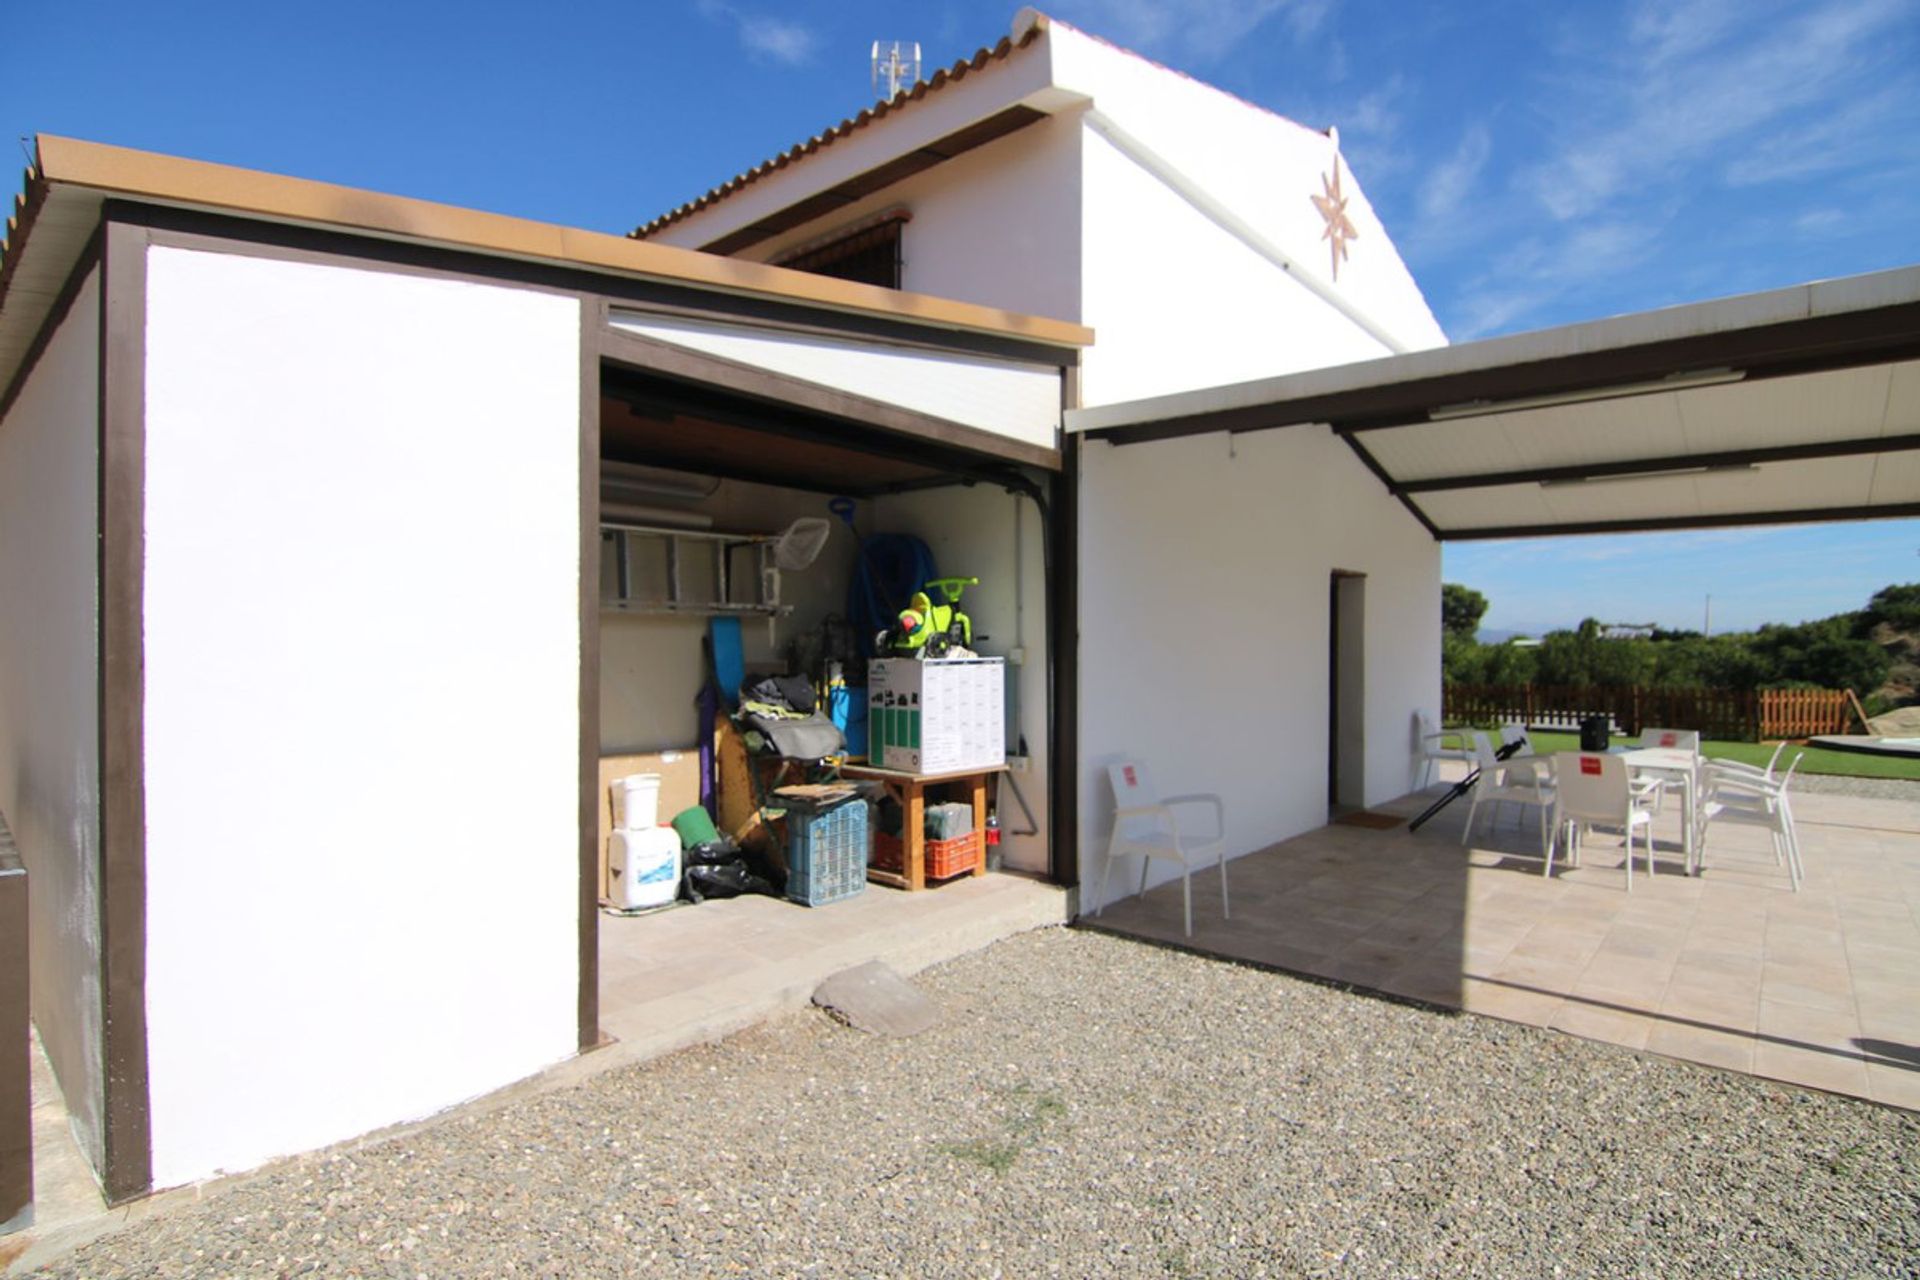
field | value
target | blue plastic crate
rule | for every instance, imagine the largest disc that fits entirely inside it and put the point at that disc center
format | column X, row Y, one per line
column 826, row 852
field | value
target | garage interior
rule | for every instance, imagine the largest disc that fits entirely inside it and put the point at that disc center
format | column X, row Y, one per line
column 687, row 456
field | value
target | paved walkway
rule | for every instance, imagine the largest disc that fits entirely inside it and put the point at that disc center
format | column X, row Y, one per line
column 1732, row 969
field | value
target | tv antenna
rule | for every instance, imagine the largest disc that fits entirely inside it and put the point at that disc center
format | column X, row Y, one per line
column 896, row 65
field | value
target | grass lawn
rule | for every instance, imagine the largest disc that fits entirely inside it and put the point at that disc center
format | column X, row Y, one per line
column 1851, row 764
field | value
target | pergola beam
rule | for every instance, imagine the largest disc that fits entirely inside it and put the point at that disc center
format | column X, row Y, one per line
column 1653, row 467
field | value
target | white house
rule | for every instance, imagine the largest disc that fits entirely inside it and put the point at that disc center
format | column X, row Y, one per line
column 301, row 689
column 1205, row 241
column 305, row 671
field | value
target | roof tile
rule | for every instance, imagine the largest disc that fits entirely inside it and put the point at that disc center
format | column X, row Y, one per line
column 853, row 124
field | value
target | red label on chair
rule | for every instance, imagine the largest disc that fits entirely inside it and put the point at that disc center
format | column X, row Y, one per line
column 1668, row 739
column 1590, row 764
column 1127, row 772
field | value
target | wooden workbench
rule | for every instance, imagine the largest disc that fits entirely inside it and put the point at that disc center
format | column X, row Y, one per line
column 910, row 790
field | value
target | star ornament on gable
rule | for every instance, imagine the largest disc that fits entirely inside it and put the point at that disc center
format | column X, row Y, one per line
column 1333, row 208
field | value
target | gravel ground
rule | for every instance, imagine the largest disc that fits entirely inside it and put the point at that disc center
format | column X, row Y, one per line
column 1096, row 1107
column 1828, row 784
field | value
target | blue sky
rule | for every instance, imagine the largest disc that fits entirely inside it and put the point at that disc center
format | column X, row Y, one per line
column 1537, row 164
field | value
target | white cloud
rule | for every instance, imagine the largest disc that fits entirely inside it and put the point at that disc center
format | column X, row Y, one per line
column 765, row 35
column 1449, row 183
column 1691, row 80
column 1836, row 137
column 1819, row 221
column 1536, row 271
column 1641, row 120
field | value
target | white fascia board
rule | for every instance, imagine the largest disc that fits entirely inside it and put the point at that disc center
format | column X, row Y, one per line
column 1643, row 328
column 1004, row 397
column 1025, row 78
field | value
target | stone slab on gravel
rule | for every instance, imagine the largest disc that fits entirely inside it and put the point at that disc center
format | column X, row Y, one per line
column 873, row 998
column 1091, row 1106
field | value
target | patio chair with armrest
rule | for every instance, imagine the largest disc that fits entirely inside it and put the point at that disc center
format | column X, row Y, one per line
column 1146, row 826
column 1740, row 768
column 1596, row 788
column 1433, row 748
column 1525, row 780
column 1739, row 798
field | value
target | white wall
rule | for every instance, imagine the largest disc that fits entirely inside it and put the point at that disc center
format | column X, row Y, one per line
column 1176, row 301
column 362, row 666
column 988, row 533
column 998, row 225
column 49, row 705
column 1204, row 627
column 652, row 667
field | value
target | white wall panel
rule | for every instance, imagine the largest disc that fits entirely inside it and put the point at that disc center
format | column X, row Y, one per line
column 49, row 701
column 362, row 665
column 1204, row 628
column 1019, row 401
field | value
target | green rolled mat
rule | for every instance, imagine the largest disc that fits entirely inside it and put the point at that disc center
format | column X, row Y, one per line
column 695, row 827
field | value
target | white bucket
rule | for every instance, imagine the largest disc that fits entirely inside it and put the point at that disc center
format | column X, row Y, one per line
column 644, row 866
column 636, row 801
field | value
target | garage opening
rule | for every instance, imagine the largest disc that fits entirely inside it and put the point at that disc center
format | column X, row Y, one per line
column 749, row 552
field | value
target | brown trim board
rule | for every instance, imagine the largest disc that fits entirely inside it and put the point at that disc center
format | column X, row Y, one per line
column 1811, row 515
column 750, row 382
column 141, row 175
column 123, row 829
column 1819, row 344
column 857, row 188
column 1063, row 641
column 1372, row 464
column 1653, row 467
column 592, row 320
column 228, row 233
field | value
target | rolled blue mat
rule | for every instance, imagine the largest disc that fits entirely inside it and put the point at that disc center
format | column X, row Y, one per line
column 729, row 660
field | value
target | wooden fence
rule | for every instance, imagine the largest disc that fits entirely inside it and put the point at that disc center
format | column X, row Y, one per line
column 1723, row 714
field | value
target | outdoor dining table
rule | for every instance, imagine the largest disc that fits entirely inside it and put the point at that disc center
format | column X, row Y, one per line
column 1671, row 762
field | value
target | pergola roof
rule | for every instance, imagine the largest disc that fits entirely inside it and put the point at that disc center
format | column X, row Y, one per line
column 1795, row 405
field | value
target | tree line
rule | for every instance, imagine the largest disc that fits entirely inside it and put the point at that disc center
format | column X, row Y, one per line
column 1853, row 650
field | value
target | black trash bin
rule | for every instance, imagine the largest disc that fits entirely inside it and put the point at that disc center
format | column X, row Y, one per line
column 1594, row 734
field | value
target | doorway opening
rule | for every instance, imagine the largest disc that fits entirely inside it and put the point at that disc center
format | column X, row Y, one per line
column 1346, row 690
column 701, row 487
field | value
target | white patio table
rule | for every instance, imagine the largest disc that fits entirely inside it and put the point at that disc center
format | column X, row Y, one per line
column 1683, row 766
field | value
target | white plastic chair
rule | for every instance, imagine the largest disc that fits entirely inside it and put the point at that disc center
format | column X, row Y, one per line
column 1656, row 785
column 1671, row 739
column 1741, row 769
column 1741, row 799
column 1145, row 826
column 1592, row 787
column 1519, row 780
column 1432, row 749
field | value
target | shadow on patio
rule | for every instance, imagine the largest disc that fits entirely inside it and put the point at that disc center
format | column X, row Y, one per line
column 1731, row 969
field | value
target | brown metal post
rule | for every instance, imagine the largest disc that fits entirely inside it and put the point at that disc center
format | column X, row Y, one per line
column 16, row 1046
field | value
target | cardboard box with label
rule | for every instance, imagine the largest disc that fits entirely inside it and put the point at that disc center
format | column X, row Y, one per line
column 943, row 715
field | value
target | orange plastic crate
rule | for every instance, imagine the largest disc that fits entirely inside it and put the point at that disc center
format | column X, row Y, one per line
column 945, row 858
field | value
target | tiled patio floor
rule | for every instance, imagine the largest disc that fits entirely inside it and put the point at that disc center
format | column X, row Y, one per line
column 1732, row 969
